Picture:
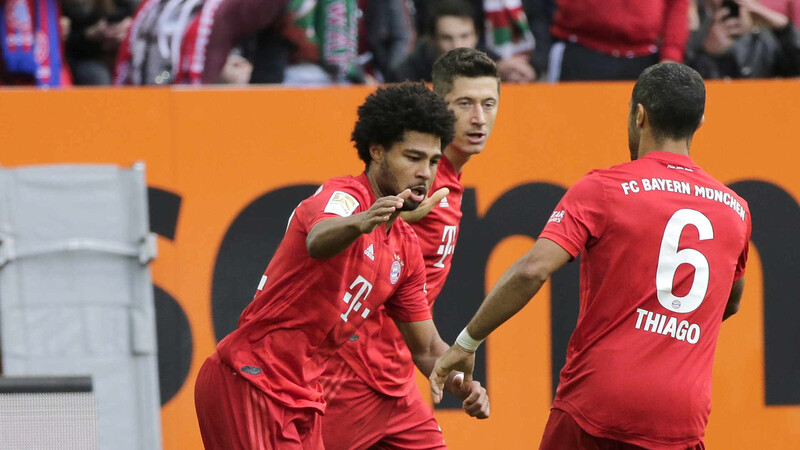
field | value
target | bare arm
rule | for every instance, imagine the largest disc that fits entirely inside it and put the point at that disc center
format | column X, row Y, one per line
column 425, row 345
column 513, row 291
column 330, row 237
column 517, row 286
column 733, row 300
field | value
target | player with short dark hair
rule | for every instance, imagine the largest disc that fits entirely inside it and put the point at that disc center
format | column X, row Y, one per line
column 369, row 384
column 345, row 256
column 664, row 247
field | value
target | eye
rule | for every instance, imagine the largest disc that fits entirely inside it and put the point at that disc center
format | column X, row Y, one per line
column 413, row 158
column 489, row 105
column 435, row 162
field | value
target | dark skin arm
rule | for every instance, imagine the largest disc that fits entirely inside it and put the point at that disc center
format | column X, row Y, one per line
column 332, row 236
column 511, row 293
column 426, row 345
column 733, row 300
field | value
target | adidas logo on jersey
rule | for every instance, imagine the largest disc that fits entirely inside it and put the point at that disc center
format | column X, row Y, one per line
column 370, row 252
column 444, row 203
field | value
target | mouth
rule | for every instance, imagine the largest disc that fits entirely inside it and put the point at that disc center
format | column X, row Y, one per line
column 418, row 193
column 476, row 137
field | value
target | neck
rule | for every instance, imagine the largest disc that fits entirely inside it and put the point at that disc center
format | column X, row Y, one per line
column 649, row 144
column 456, row 157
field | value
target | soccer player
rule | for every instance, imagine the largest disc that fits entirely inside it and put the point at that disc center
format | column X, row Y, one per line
column 664, row 248
column 369, row 385
column 345, row 256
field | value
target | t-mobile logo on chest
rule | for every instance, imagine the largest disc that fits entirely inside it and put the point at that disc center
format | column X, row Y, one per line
column 448, row 244
column 355, row 302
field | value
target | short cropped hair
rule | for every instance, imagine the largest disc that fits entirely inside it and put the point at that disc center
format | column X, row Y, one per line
column 442, row 8
column 390, row 111
column 462, row 62
column 674, row 97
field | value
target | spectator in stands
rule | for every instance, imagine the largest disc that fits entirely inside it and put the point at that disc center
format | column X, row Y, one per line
column 615, row 39
column 752, row 41
column 29, row 31
column 188, row 41
column 451, row 24
column 97, row 29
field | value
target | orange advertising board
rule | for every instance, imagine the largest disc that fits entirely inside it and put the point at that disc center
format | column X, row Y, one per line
column 225, row 167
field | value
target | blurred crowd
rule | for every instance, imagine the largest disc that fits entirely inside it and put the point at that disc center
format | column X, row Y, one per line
column 325, row 42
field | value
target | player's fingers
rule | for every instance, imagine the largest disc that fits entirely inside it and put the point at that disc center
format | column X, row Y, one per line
column 437, row 384
column 401, row 197
column 437, row 196
column 468, row 377
column 473, row 397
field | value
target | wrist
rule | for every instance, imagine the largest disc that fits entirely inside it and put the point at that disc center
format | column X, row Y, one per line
column 467, row 342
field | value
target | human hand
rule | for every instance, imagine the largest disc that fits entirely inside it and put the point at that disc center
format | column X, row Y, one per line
column 425, row 207
column 719, row 38
column 762, row 16
column 382, row 211
column 97, row 31
column 516, row 69
column 236, row 71
column 455, row 358
column 474, row 396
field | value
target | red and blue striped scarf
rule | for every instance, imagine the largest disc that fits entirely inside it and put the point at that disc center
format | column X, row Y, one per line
column 30, row 40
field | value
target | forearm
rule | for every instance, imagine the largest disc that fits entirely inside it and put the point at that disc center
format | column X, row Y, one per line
column 332, row 236
column 511, row 293
column 676, row 30
column 426, row 360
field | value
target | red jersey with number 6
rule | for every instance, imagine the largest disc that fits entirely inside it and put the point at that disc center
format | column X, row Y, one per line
column 662, row 243
column 306, row 308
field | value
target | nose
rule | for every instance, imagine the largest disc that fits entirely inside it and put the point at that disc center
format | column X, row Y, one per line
column 479, row 117
column 424, row 170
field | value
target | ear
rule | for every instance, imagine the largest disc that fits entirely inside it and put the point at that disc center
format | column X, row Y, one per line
column 377, row 152
column 702, row 121
column 641, row 115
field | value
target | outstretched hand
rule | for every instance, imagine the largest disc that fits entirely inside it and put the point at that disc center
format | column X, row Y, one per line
column 425, row 207
column 382, row 211
column 455, row 358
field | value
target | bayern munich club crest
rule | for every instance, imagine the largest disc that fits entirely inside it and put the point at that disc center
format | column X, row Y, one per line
column 397, row 265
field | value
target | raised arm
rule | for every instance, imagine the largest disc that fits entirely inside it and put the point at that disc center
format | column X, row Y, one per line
column 330, row 237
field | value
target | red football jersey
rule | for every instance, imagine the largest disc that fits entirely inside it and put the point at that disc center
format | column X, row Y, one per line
column 662, row 243
column 306, row 308
column 379, row 355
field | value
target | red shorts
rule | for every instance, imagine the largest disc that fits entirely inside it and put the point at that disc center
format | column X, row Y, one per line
column 358, row 417
column 233, row 414
column 562, row 432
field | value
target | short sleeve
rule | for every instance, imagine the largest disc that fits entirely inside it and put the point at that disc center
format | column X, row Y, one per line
column 332, row 200
column 410, row 302
column 579, row 217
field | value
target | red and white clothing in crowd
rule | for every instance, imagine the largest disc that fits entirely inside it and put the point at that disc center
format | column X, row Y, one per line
column 624, row 28
column 305, row 309
column 376, row 368
column 662, row 243
column 188, row 41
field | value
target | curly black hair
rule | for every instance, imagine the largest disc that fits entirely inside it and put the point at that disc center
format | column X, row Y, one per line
column 390, row 111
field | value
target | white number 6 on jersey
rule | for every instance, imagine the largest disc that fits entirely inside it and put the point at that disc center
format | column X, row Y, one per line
column 669, row 258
